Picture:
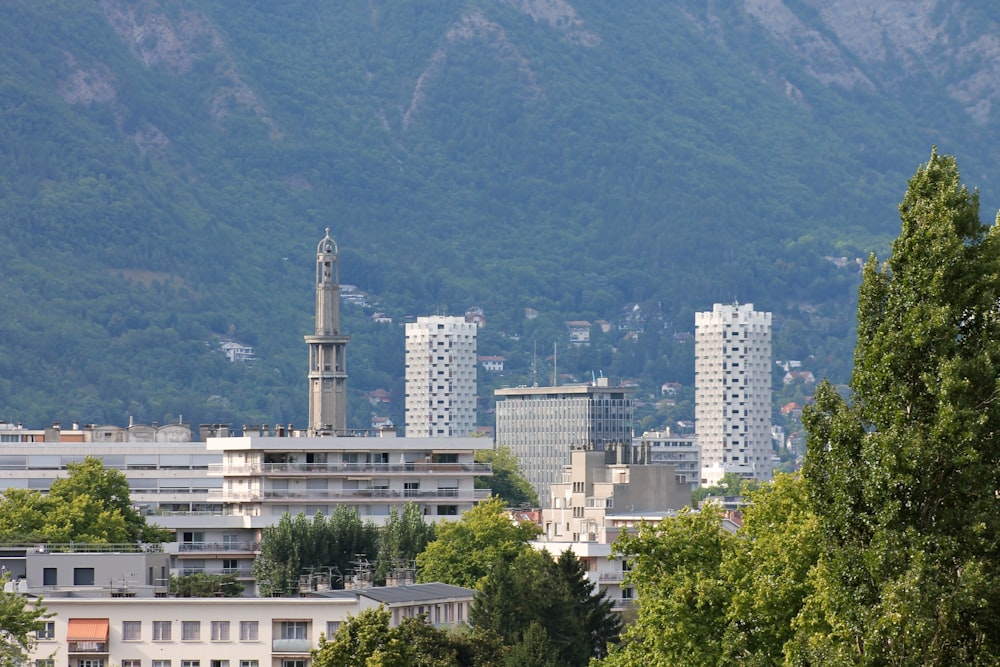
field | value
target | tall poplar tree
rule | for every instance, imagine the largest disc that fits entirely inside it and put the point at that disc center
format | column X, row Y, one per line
column 904, row 474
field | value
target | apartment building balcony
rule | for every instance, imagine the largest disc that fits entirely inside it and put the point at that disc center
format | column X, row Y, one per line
column 291, row 646
column 229, row 549
column 344, row 469
column 356, row 495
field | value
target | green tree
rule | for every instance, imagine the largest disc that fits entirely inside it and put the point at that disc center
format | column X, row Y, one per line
column 593, row 610
column 90, row 504
column 296, row 545
column 404, row 535
column 904, row 477
column 678, row 579
column 20, row 619
column 465, row 550
column 507, row 481
column 368, row 640
column 767, row 569
column 204, row 585
column 530, row 590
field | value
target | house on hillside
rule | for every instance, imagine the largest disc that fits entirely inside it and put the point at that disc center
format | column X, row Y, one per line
column 475, row 315
column 237, row 352
column 579, row 332
column 492, row 364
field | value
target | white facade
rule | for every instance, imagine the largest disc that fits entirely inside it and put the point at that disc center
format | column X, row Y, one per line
column 733, row 392
column 263, row 477
column 440, row 377
column 224, row 632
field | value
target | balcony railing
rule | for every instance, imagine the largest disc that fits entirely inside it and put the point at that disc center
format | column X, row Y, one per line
column 350, row 468
column 88, row 647
column 291, row 645
column 219, row 546
column 354, row 495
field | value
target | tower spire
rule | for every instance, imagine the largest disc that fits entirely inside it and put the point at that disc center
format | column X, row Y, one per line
column 327, row 347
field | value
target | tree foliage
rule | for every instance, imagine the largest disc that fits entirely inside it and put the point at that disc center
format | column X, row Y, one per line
column 507, row 480
column 205, row 585
column 465, row 551
column 404, row 535
column 904, row 478
column 537, row 604
column 368, row 640
column 90, row 504
column 20, row 619
column 297, row 545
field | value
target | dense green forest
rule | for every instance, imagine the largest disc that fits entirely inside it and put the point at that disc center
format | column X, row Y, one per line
column 167, row 166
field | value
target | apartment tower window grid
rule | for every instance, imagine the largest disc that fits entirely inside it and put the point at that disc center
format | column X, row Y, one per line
column 440, row 377
column 733, row 392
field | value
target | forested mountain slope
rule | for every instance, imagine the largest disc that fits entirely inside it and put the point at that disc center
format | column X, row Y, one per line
column 167, row 166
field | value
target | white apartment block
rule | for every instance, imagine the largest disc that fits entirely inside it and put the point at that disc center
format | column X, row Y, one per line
column 542, row 425
column 440, row 377
column 733, row 392
column 263, row 477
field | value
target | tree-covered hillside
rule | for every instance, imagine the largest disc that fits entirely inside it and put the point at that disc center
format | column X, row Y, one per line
column 167, row 166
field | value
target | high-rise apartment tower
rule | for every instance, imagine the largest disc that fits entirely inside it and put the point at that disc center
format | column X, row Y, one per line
column 327, row 348
column 732, row 372
column 440, row 377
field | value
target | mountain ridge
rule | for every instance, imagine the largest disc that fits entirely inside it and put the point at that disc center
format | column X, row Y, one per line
column 170, row 164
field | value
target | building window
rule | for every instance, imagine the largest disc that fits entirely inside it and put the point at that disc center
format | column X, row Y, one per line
column 45, row 662
column 190, row 663
column 219, row 663
column 48, row 631
column 331, row 628
column 131, row 631
column 190, row 630
column 249, row 663
column 293, row 630
column 83, row 576
column 220, row 631
column 161, row 631
column 161, row 663
column 248, row 631
column 131, row 663
column 92, row 662
column 50, row 576
column 288, row 662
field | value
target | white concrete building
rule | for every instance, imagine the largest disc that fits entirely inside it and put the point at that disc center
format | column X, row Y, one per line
column 440, row 377
column 596, row 501
column 542, row 425
column 733, row 392
column 263, row 477
column 680, row 451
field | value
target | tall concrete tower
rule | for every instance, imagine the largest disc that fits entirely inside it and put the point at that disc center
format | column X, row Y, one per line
column 327, row 348
column 440, row 377
column 732, row 376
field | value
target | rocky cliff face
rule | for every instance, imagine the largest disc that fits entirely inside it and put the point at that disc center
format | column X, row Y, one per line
column 880, row 45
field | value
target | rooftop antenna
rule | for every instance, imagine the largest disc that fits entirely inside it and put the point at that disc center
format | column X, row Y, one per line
column 534, row 362
column 555, row 364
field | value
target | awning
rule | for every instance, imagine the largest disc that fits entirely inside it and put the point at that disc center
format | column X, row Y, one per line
column 87, row 630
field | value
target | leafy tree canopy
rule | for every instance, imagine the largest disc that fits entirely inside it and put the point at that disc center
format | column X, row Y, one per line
column 20, row 619
column 507, row 481
column 90, row 504
column 904, row 477
column 465, row 550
